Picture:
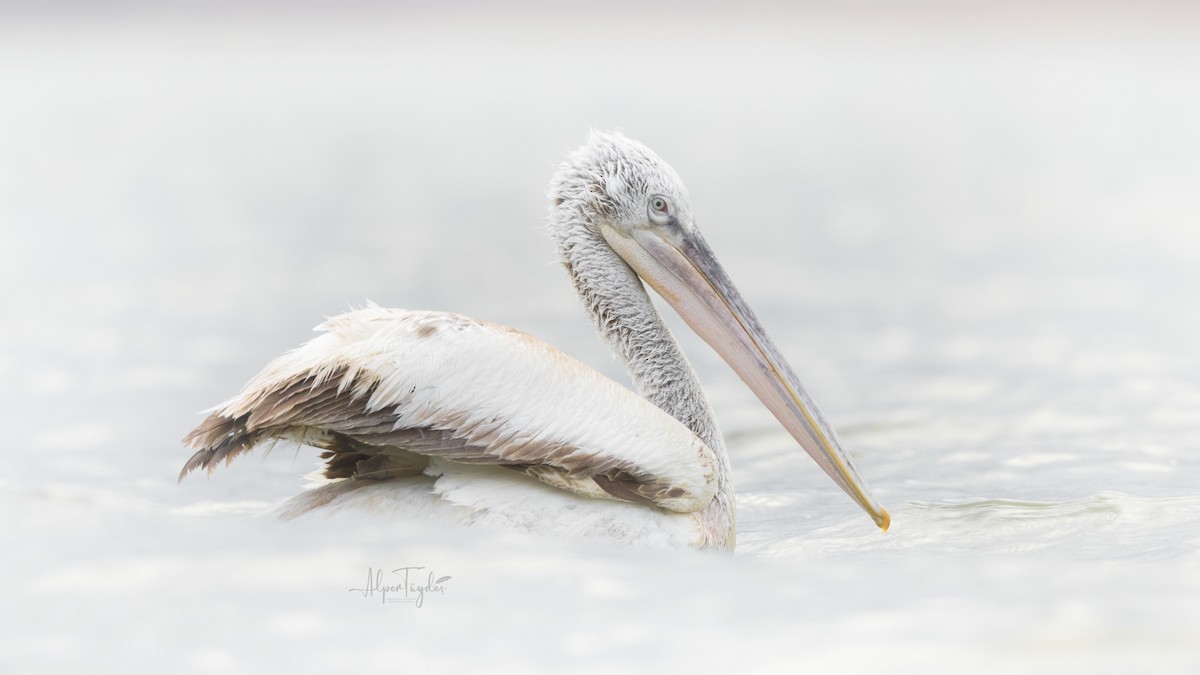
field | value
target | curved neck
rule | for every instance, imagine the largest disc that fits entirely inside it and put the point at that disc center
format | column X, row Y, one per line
column 626, row 318
column 628, row 321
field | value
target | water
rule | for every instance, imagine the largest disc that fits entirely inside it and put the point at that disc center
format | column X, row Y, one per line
column 975, row 237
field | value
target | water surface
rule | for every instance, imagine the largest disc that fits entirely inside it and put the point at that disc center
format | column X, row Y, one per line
column 976, row 242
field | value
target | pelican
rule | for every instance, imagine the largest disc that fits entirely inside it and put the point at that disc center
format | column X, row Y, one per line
column 424, row 414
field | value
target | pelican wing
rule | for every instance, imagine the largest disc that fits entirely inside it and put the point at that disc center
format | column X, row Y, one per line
column 383, row 391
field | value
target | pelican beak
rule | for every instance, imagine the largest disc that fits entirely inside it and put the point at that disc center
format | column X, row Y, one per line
column 679, row 266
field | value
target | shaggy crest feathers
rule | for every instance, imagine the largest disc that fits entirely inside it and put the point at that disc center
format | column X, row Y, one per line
column 390, row 393
column 611, row 176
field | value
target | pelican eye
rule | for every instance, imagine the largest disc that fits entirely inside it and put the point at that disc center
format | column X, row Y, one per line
column 660, row 208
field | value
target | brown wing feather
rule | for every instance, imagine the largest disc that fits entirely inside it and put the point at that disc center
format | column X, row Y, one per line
column 332, row 412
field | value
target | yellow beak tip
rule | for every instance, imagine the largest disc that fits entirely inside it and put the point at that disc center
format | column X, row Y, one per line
column 884, row 521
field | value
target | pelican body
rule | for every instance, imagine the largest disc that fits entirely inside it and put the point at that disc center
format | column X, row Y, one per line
column 435, row 415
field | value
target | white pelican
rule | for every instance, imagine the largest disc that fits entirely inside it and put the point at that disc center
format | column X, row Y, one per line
column 435, row 414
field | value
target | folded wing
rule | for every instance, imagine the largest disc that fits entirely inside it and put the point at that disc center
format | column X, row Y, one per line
column 383, row 391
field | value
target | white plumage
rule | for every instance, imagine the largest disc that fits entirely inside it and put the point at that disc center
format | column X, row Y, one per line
column 435, row 415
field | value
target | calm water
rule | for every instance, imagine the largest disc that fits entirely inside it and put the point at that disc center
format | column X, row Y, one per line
column 976, row 240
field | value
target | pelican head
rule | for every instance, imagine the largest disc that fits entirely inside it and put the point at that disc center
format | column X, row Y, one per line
column 615, row 196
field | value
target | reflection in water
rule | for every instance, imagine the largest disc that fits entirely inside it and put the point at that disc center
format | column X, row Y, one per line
column 976, row 246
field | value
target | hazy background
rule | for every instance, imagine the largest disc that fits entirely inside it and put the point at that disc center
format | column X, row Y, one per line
column 973, row 229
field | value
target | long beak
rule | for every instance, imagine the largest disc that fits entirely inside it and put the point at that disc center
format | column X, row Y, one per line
column 687, row 275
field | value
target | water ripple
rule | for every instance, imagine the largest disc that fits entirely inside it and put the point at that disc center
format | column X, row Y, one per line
column 1107, row 525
